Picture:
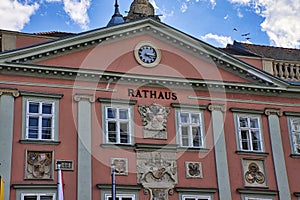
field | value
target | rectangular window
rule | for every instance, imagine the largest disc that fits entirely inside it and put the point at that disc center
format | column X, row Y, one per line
column 250, row 136
column 117, row 125
column 40, row 120
column 195, row 197
column 295, row 134
column 38, row 197
column 190, row 129
column 121, row 197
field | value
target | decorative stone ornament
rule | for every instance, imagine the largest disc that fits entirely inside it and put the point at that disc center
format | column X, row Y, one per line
column 154, row 119
column 157, row 172
column 38, row 165
column 193, row 170
column 121, row 166
column 254, row 173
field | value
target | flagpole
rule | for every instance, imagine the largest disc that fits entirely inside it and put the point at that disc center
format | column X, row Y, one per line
column 60, row 192
column 113, row 182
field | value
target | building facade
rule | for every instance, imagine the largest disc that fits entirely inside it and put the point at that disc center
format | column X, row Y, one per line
column 176, row 117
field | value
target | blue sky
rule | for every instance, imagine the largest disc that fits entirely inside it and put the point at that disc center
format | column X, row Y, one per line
column 218, row 22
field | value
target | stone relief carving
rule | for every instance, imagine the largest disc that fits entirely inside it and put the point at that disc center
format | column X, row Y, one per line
column 157, row 172
column 254, row 174
column 154, row 119
column 120, row 166
column 193, row 170
column 38, row 165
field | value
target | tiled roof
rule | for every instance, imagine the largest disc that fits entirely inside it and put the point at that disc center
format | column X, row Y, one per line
column 277, row 53
column 55, row 34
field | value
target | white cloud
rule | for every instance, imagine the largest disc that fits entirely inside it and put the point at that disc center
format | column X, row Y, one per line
column 281, row 20
column 51, row 1
column 77, row 10
column 217, row 40
column 184, row 7
column 15, row 15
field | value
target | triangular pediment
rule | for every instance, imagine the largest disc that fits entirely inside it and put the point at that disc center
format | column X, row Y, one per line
column 111, row 50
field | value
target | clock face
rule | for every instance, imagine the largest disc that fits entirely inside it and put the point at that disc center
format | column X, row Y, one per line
column 147, row 54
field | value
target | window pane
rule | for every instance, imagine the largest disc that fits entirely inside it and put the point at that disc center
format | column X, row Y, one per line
column 296, row 125
column 243, row 122
column 33, row 107
column 124, row 136
column 34, row 121
column 112, row 134
column 184, row 117
column 33, row 128
column 30, row 198
column 195, row 118
column 184, row 136
column 123, row 114
column 196, row 136
column 254, row 123
column 46, row 198
column 256, row 140
column 111, row 113
column 47, row 108
column 245, row 140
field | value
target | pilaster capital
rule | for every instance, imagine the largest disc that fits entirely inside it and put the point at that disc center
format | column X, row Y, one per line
column 7, row 91
column 217, row 107
column 84, row 97
column 273, row 111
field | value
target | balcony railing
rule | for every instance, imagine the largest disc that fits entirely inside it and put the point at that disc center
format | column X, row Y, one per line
column 287, row 71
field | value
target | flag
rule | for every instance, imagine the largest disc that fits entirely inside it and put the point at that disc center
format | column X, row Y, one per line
column 1, row 188
column 60, row 184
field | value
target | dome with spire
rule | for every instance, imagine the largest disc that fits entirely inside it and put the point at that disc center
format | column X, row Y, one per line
column 141, row 9
column 117, row 18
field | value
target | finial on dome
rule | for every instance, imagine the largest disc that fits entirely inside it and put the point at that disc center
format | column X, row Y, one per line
column 117, row 18
column 140, row 9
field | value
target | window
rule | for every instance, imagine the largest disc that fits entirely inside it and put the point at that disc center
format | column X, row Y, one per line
column 40, row 120
column 195, row 197
column 190, row 129
column 38, row 197
column 117, row 125
column 250, row 136
column 252, row 198
column 295, row 134
column 121, row 197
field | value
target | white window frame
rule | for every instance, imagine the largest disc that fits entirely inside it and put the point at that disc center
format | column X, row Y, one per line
column 121, row 196
column 40, row 115
column 294, row 134
column 249, row 129
column 38, row 195
column 118, row 121
column 196, row 197
column 190, row 125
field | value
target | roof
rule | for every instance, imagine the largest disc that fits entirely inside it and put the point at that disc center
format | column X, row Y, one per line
column 57, row 34
column 277, row 53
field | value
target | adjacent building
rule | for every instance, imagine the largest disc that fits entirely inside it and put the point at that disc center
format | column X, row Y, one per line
column 174, row 117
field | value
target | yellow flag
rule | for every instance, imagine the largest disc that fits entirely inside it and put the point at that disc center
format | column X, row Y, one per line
column 1, row 189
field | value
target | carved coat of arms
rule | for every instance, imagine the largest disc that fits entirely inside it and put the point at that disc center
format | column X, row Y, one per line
column 154, row 119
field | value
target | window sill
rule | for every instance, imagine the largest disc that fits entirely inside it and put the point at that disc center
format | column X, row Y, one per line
column 295, row 155
column 252, row 153
column 193, row 149
column 122, row 146
column 40, row 142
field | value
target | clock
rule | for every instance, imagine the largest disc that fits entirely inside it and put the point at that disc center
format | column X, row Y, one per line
column 147, row 54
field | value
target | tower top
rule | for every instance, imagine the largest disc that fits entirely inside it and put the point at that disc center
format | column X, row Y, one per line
column 117, row 18
column 140, row 9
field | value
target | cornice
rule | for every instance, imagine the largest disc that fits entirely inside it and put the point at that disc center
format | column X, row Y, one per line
column 135, row 79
